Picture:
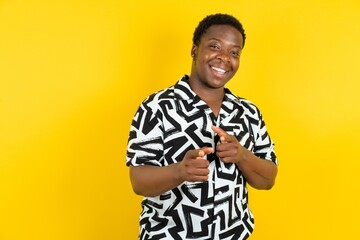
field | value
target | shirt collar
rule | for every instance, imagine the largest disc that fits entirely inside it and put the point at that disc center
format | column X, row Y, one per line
column 184, row 92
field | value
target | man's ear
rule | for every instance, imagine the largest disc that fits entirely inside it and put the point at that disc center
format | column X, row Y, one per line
column 193, row 51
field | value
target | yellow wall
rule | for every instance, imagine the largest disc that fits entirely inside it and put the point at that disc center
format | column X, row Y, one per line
column 73, row 72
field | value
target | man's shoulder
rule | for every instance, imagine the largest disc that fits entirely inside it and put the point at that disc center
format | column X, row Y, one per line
column 163, row 94
column 167, row 94
column 156, row 100
column 246, row 104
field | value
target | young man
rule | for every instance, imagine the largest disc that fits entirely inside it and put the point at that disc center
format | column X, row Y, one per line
column 193, row 146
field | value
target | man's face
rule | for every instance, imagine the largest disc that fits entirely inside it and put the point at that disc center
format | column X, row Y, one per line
column 217, row 58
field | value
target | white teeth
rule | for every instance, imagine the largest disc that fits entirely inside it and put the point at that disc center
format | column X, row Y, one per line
column 219, row 70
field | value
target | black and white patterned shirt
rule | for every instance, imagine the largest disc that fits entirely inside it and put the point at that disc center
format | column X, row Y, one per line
column 168, row 124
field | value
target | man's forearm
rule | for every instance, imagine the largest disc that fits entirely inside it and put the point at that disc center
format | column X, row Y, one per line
column 259, row 173
column 151, row 181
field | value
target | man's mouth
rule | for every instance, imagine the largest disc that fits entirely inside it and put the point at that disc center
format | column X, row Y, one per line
column 218, row 70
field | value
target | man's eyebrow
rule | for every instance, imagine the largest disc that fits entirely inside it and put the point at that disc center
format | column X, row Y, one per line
column 216, row 39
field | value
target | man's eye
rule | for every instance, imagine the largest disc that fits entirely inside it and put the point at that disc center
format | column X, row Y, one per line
column 235, row 53
column 214, row 47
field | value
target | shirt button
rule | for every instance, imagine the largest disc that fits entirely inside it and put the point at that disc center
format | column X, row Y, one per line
column 219, row 169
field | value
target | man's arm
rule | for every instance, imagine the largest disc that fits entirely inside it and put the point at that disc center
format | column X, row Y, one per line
column 259, row 173
column 151, row 181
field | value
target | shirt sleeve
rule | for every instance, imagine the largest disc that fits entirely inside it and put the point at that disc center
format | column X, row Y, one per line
column 145, row 143
column 264, row 146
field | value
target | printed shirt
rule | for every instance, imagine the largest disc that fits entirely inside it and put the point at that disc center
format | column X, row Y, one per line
column 168, row 124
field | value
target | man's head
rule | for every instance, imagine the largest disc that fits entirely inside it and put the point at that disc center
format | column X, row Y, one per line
column 218, row 42
column 217, row 19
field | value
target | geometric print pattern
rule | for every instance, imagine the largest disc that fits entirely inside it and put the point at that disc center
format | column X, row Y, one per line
column 168, row 124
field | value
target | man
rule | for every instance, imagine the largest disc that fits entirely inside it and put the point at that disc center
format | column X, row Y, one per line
column 193, row 146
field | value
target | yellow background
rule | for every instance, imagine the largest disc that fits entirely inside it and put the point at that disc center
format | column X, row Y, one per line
column 73, row 72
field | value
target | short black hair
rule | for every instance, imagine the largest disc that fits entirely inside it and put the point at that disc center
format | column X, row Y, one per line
column 217, row 19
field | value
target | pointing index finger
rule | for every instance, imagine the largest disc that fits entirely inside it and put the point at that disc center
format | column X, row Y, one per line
column 224, row 136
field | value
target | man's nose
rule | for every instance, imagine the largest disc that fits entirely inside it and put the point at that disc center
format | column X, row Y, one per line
column 224, row 56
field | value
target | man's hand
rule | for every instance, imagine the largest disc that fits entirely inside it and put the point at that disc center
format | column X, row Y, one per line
column 194, row 166
column 258, row 172
column 229, row 150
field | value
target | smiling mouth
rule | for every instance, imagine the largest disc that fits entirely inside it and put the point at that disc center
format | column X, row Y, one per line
column 218, row 70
